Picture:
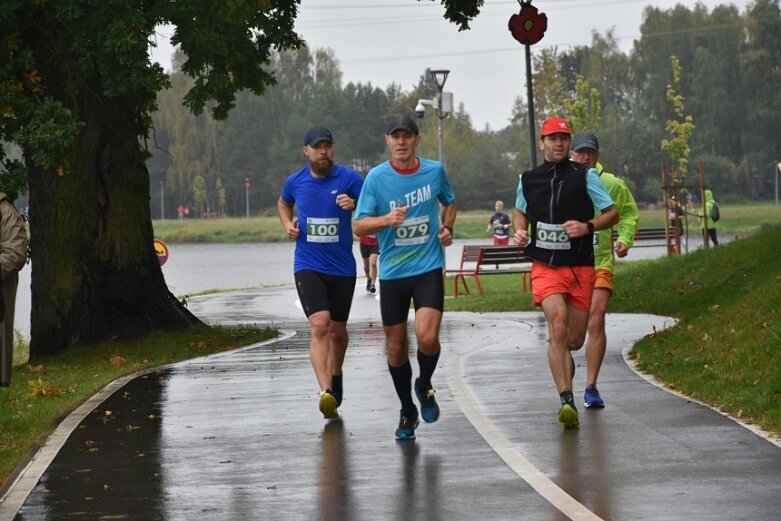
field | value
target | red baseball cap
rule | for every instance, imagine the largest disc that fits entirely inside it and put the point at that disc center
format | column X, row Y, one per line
column 554, row 126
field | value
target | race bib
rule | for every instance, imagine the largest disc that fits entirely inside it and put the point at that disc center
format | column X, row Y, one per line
column 552, row 237
column 322, row 229
column 415, row 230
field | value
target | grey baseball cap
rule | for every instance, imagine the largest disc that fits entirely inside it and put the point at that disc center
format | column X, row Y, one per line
column 584, row 140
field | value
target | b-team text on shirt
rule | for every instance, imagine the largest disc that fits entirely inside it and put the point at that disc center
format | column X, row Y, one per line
column 414, row 198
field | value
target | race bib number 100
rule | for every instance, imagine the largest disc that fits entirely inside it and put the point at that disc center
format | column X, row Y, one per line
column 552, row 237
column 412, row 231
column 322, row 229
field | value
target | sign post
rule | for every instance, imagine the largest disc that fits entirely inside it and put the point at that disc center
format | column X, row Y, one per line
column 247, row 186
column 528, row 27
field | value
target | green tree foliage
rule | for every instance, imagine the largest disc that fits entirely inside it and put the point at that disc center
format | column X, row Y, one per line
column 76, row 92
column 583, row 110
column 680, row 129
column 621, row 96
column 759, row 73
column 200, row 196
column 77, row 89
column 219, row 191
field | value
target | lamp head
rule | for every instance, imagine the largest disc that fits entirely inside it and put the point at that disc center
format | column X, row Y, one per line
column 440, row 77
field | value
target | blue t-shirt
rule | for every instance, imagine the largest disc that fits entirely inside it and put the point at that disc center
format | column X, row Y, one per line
column 596, row 191
column 325, row 244
column 413, row 247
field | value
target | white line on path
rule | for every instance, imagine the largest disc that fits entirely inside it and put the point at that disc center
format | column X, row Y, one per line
column 565, row 503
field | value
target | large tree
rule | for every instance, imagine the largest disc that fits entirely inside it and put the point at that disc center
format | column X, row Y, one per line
column 77, row 89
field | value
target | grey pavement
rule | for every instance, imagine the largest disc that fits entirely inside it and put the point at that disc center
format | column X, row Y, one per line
column 239, row 436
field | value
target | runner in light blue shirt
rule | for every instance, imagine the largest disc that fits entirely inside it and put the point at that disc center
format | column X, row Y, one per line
column 400, row 203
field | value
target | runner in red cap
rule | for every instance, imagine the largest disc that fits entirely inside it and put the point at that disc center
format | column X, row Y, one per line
column 554, row 220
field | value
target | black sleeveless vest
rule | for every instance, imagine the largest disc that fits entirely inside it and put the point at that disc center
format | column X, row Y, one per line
column 555, row 193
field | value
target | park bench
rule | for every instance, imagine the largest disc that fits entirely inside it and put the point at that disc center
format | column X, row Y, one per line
column 477, row 260
column 648, row 237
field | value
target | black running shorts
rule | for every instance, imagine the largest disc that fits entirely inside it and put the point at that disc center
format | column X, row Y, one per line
column 425, row 291
column 321, row 292
column 367, row 250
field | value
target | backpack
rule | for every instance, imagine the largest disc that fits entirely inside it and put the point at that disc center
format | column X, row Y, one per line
column 714, row 213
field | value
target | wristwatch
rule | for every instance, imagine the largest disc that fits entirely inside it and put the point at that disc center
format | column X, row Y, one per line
column 590, row 226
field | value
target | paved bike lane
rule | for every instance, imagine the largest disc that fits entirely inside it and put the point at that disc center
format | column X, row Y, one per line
column 239, row 436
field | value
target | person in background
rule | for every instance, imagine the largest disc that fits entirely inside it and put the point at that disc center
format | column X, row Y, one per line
column 585, row 150
column 323, row 195
column 370, row 251
column 710, row 219
column 13, row 255
column 557, row 199
column 499, row 223
column 400, row 204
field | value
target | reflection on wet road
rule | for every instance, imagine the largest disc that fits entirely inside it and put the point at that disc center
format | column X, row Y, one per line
column 239, row 436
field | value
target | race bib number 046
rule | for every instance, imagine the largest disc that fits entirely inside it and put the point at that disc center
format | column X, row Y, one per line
column 412, row 231
column 552, row 237
column 322, row 229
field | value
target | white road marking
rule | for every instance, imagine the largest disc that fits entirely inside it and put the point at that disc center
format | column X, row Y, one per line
column 557, row 497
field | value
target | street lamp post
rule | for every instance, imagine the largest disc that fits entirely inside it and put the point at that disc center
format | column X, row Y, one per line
column 162, row 201
column 442, row 105
column 440, row 77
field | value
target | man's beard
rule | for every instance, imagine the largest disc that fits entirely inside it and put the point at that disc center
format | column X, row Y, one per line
column 321, row 167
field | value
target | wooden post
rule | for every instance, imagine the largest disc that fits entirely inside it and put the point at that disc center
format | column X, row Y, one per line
column 704, row 207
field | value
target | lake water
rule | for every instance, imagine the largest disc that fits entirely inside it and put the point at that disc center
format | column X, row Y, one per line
column 194, row 268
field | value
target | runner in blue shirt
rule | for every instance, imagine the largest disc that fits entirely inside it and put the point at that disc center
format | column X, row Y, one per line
column 400, row 203
column 323, row 195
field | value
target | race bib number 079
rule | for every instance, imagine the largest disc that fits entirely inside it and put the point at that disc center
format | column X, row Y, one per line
column 552, row 237
column 322, row 229
column 412, row 231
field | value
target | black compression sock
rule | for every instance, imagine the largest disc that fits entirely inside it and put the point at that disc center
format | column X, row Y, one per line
column 427, row 366
column 402, row 381
column 336, row 383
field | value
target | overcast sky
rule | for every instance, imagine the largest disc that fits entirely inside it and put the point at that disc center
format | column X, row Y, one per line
column 394, row 41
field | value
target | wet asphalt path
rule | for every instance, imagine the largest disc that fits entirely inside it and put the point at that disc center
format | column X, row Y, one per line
column 239, row 436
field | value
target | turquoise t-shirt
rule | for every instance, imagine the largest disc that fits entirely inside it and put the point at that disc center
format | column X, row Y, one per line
column 413, row 247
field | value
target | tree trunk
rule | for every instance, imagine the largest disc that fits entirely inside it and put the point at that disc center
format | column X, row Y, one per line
column 95, row 275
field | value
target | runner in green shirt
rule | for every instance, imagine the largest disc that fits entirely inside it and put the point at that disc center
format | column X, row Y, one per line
column 585, row 150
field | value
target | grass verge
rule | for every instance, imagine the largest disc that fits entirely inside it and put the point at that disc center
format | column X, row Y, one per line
column 726, row 348
column 41, row 395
